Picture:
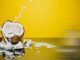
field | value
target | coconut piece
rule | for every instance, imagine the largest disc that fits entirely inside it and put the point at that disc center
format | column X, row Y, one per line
column 10, row 29
column 15, row 39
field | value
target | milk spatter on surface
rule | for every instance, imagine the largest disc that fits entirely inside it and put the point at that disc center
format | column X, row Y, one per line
column 28, row 43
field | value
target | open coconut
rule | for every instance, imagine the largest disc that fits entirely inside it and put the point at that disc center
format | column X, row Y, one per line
column 10, row 29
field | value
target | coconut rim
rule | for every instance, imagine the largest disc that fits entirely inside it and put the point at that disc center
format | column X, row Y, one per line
column 16, row 23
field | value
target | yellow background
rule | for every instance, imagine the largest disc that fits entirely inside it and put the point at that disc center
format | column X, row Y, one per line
column 43, row 18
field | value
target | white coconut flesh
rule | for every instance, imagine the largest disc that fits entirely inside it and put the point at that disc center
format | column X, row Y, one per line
column 18, row 29
column 12, row 28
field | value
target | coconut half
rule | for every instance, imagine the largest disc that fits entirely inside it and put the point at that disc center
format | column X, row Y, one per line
column 10, row 29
